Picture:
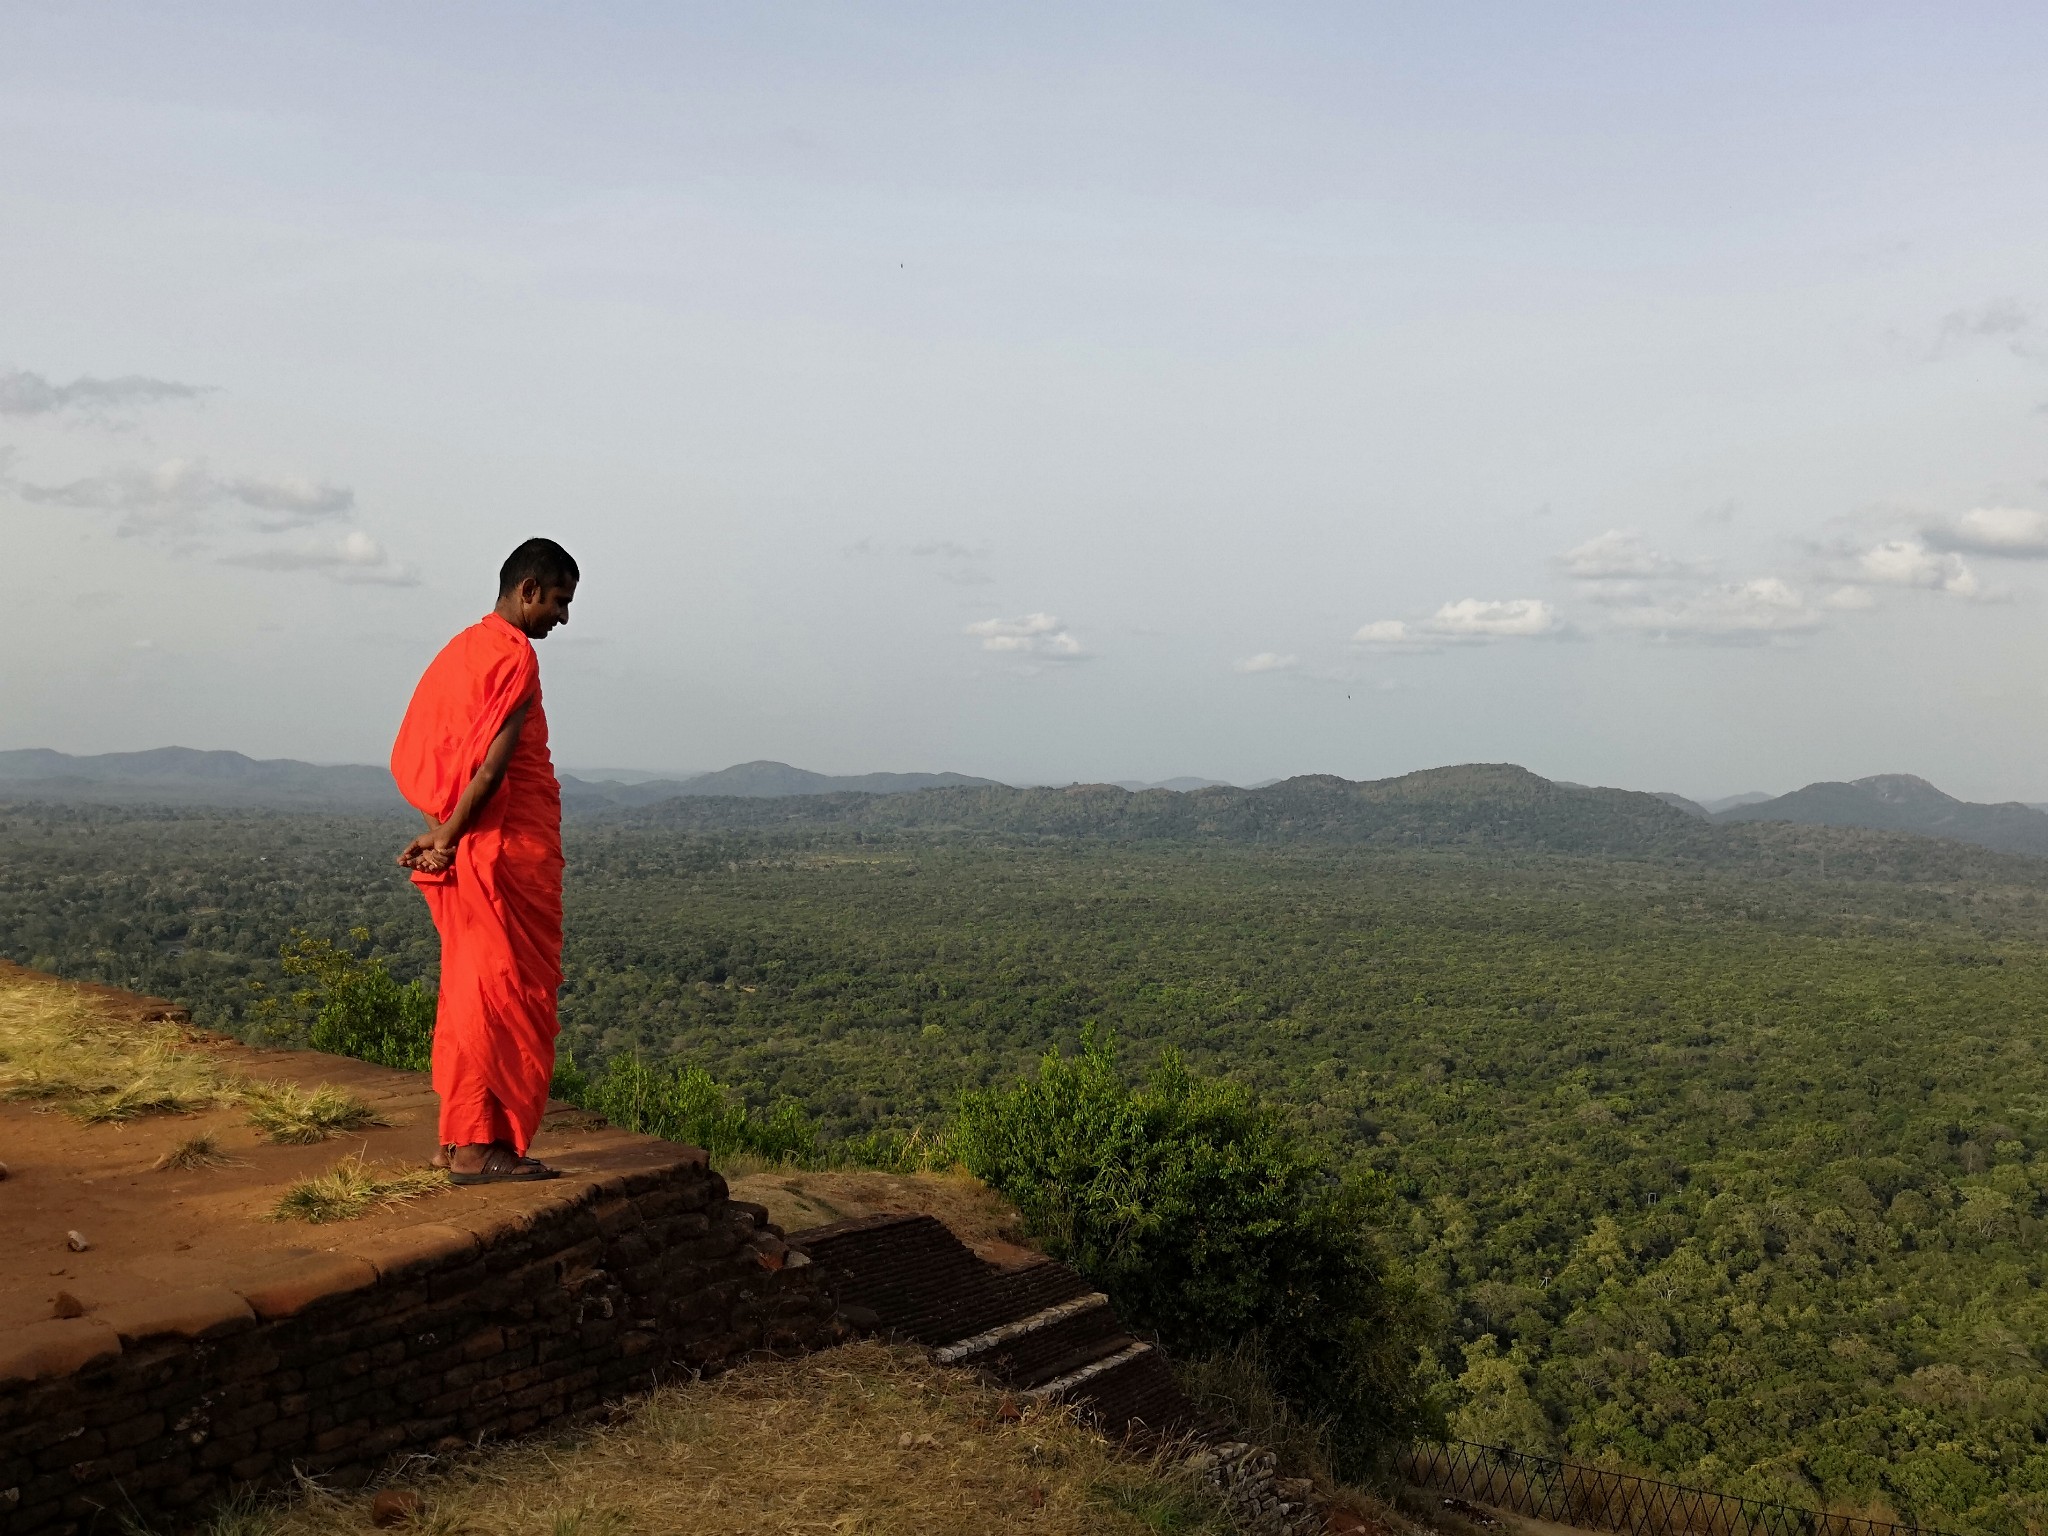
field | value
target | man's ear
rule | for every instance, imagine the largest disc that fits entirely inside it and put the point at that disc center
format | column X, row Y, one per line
column 529, row 591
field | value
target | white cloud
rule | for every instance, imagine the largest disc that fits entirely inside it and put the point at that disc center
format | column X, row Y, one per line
column 297, row 499
column 1385, row 632
column 170, row 496
column 1470, row 620
column 355, row 557
column 1850, row 599
column 1036, row 634
column 2012, row 532
column 1998, row 318
column 1747, row 612
column 1618, row 555
column 1910, row 563
column 183, row 505
column 1267, row 661
column 30, row 394
column 1473, row 618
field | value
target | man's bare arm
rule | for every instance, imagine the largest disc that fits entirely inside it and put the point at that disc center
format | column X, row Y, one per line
column 434, row 849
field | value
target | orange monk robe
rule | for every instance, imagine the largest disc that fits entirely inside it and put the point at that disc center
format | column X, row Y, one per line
column 499, row 905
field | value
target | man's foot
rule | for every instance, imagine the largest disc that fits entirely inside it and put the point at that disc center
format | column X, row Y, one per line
column 443, row 1158
column 495, row 1163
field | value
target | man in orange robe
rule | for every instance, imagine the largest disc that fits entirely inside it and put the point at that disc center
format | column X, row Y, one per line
column 472, row 758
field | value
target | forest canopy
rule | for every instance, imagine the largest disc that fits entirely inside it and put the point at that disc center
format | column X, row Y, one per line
column 1727, row 1166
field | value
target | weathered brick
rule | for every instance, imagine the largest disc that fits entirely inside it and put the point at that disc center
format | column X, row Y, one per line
column 136, row 1431
column 203, row 1312
column 333, row 1371
column 37, row 1351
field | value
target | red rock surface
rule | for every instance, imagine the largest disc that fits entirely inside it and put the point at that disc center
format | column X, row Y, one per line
column 190, row 1234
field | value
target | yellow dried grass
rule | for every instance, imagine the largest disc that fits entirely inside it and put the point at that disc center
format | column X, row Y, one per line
column 298, row 1116
column 354, row 1187
column 192, row 1154
column 57, row 1046
column 62, row 1048
column 859, row 1441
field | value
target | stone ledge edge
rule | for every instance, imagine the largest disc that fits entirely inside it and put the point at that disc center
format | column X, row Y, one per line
column 57, row 1347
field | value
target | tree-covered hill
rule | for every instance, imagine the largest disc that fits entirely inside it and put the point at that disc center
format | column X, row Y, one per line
column 1477, row 804
column 1900, row 802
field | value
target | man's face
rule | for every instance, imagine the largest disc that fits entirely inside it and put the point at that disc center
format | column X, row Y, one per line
column 541, row 609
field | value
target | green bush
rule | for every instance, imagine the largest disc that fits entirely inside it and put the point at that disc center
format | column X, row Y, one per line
column 1215, row 1225
column 354, row 1007
column 687, row 1104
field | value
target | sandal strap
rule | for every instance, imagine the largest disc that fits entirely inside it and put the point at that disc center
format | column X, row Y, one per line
column 502, row 1159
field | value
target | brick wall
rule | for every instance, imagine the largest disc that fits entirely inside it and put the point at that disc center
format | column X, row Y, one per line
column 424, row 1339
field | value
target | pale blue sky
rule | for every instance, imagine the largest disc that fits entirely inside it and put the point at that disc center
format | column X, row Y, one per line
column 1653, row 395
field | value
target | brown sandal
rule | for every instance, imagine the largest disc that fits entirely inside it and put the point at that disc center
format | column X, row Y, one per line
column 504, row 1166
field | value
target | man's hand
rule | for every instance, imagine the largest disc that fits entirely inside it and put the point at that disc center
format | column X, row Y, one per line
column 432, row 851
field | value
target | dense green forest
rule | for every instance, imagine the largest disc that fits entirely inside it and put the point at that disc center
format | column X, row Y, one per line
column 1725, row 1149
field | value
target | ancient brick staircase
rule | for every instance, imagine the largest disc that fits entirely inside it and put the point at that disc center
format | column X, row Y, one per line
column 1037, row 1328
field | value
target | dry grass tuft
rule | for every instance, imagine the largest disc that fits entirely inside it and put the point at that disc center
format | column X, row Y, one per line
column 59, row 1047
column 863, row 1440
column 354, row 1187
column 193, row 1152
column 56, row 1046
column 291, row 1114
column 1233, row 1388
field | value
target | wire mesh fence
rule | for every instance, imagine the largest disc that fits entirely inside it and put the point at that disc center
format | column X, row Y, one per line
column 1593, row 1498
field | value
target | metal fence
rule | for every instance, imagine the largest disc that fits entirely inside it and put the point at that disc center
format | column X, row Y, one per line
column 1592, row 1498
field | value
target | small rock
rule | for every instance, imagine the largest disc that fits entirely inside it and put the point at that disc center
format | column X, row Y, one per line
column 67, row 1305
column 905, row 1440
column 396, row 1506
column 76, row 1242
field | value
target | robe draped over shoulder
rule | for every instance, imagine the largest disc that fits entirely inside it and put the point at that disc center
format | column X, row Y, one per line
column 498, row 908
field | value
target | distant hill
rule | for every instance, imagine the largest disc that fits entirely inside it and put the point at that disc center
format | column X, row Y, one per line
column 761, row 779
column 1493, row 805
column 183, row 776
column 1690, row 807
column 1180, row 785
column 756, row 781
column 1477, row 804
column 1900, row 802
column 1730, row 802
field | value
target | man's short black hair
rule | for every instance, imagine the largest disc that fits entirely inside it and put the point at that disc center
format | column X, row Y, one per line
column 542, row 559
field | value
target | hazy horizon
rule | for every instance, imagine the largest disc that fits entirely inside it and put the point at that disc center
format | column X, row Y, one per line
column 1646, row 396
column 642, row 775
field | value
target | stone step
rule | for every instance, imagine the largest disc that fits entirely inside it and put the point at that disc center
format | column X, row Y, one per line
column 1130, row 1392
column 1074, row 1382
column 922, row 1283
column 1040, row 1329
column 1046, row 1344
column 1075, row 1360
